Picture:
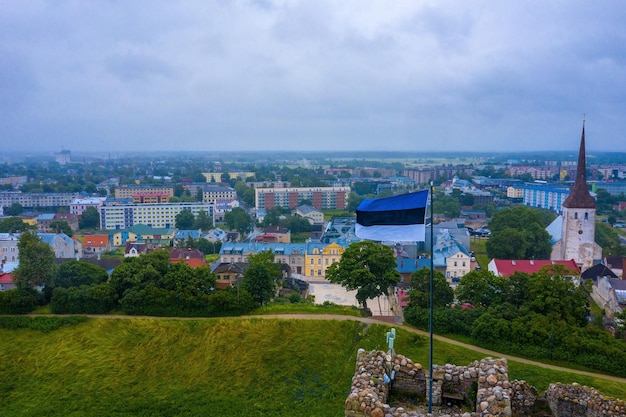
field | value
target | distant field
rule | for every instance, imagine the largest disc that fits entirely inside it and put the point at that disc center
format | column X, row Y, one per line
column 209, row 367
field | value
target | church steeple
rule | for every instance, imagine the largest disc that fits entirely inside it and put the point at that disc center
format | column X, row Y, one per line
column 579, row 196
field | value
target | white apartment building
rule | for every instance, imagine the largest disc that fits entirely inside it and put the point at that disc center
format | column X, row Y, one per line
column 124, row 216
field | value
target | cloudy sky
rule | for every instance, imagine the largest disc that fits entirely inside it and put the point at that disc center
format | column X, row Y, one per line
column 400, row 75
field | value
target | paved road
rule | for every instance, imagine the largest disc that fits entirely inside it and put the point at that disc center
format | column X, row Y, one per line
column 400, row 326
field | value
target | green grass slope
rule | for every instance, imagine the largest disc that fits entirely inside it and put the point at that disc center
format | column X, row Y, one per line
column 208, row 367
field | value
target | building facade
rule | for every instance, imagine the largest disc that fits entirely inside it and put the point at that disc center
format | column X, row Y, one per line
column 145, row 194
column 579, row 220
column 322, row 198
column 124, row 216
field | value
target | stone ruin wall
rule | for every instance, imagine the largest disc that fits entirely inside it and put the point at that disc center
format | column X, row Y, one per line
column 495, row 394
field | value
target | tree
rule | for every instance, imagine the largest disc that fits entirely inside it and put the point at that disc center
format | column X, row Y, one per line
column 419, row 294
column 507, row 244
column 260, row 276
column 13, row 225
column 518, row 233
column 90, row 219
column 481, row 288
column 367, row 267
column 239, row 220
column 552, row 293
column 353, row 201
column 37, row 267
column 61, row 226
column 203, row 221
column 184, row 220
column 448, row 206
column 77, row 273
column 14, row 209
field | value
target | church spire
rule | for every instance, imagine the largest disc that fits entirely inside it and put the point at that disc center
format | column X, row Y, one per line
column 579, row 196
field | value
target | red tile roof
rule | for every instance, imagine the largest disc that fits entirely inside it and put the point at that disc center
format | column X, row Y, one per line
column 94, row 241
column 509, row 267
column 192, row 262
column 5, row 278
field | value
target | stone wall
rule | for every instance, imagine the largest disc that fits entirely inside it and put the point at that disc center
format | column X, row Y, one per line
column 378, row 374
column 574, row 400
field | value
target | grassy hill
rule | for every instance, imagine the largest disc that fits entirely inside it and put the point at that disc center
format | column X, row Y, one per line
column 208, row 367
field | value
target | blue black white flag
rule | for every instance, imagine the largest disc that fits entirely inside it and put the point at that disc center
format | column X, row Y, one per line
column 399, row 218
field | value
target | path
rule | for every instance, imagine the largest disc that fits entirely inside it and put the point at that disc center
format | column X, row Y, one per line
column 371, row 321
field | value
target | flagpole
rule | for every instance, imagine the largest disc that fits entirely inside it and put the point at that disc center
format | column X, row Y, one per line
column 430, row 352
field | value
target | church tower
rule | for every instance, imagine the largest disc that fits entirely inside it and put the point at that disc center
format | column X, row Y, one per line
column 579, row 219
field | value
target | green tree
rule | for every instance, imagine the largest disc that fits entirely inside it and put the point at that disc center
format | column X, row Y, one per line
column 552, row 293
column 239, row 220
column 245, row 193
column 259, row 278
column 203, row 221
column 367, row 267
column 77, row 273
column 353, row 201
column 184, row 220
column 61, row 226
column 13, row 225
column 90, row 219
column 447, row 206
column 481, row 288
column 36, row 267
column 419, row 294
column 14, row 209
column 518, row 233
column 299, row 225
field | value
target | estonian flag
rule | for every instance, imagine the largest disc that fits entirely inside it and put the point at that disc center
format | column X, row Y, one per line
column 397, row 218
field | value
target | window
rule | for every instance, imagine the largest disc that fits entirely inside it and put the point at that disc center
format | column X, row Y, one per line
column 319, row 272
column 586, row 216
column 463, row 263
column 576, row 216
column 312, row 261
column 454, row 263
column 319, row 261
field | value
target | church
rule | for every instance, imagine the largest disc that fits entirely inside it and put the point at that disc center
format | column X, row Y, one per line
column 578, row 220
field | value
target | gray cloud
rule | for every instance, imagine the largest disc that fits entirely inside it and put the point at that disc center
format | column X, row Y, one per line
column 291, row 74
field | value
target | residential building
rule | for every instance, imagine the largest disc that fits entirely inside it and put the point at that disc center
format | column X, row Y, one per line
column 96, row 244
column 6, row 281
column 612, row 187
column 135, row 249
column 549, row 197
column 313, row 215
column 69, row 218
column 123, row 216
column 78, row 205
column 212, row 194
column 15, row 182
column 274, row 234
column 319, row 257
column 323, row 198
column 579, row 220
column 8, row 247
column 145, row 194
column 229, row 274
column 452, row 256
column 64, row 157
column 62, row 245
column 154, row 237
column 36, row 200
column 217, row 176
column 507, row 267
column 43, row 222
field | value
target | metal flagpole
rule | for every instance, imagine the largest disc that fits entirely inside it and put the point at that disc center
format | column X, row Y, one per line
column 430, row 353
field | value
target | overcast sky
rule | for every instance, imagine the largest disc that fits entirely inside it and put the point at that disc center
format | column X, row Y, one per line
column 312, row 75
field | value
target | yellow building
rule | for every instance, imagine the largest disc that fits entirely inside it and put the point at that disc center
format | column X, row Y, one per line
column 217, row 176
column 318, row 259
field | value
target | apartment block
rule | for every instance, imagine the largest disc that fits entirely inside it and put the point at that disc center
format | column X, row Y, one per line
column 124, row 216
column 322, row 198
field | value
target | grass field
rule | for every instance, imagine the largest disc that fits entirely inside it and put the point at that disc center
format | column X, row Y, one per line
column 209, row 367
